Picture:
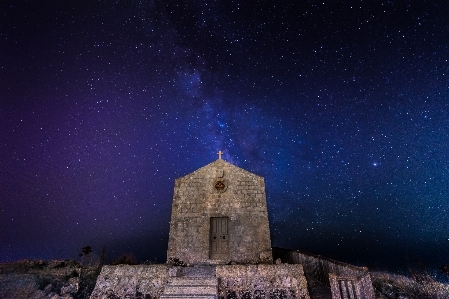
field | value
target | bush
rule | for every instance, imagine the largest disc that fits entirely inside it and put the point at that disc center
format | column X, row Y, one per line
column 126, row 259
column 43, row 281
column 391, row 285
column 87, row 283
column 74, row 273
column 176, row 262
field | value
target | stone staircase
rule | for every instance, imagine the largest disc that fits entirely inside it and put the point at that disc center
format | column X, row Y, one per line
column 192, row 282
column 317, row 290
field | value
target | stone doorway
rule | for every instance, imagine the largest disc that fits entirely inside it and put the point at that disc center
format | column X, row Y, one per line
column 219, row 238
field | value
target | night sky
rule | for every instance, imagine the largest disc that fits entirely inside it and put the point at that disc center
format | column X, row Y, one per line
column 342, row 106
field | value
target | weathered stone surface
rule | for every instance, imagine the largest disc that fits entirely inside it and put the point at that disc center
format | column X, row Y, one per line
column 262, row 281
column 72, row 287
column 220, row 190
column 124, row 281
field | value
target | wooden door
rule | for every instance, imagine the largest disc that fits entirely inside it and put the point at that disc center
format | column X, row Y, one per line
column 219, row 238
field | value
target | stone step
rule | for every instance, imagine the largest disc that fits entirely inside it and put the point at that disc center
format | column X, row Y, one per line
column 181, row 281
column 216, row 262
column 191, row 287
column 198, row 271
column 318, row 290
column 188, row 296
column 321, row 294
column 187, row 290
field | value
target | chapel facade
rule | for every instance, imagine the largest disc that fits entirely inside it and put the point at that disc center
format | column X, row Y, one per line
column 219, row 216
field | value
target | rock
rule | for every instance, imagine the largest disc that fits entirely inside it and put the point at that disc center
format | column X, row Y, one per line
column 266, row 256
column 72, row 288
column 44, row 280
column 47, row 289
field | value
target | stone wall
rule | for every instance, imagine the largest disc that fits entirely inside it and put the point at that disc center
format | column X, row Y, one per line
column 345, row 281
column 351, row 286
column 261, row 281
column 137, row 282
column 220, row 189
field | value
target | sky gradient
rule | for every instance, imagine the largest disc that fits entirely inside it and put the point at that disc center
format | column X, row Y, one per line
column 342, row 106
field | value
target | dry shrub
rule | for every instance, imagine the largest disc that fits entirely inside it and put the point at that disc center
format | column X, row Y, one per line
column 390, row 285
column 126, row 259
column 176, row 262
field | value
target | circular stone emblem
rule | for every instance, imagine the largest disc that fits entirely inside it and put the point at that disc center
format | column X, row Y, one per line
column 220, row 185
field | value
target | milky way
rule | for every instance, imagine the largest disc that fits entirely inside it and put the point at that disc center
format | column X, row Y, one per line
column 341, row 106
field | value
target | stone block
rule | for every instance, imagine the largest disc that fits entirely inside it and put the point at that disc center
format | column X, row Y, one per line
column 125, row 280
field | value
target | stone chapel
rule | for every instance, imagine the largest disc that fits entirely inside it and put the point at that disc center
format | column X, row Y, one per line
column 219, row 248
column 219, row 216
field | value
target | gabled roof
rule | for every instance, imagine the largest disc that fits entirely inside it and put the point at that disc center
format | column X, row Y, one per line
column 219, row 163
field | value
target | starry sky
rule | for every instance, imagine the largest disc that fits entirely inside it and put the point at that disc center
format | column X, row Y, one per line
column 342, row 106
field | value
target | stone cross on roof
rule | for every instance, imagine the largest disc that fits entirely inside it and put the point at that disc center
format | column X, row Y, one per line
column 219, row 154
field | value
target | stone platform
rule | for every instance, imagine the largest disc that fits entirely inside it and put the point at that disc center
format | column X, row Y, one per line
column 202, row 281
